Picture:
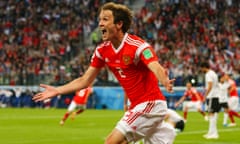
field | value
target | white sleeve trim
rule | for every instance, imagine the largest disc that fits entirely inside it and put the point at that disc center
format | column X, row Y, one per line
column 140, row 49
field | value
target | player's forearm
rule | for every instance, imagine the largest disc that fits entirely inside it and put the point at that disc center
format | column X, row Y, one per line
column 181, row 100
column 163, row 77
column 72, row 86
column 159, row 72
column 207, row 91
column 81, row 82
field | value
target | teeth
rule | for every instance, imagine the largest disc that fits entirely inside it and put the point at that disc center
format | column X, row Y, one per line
column 103, row 31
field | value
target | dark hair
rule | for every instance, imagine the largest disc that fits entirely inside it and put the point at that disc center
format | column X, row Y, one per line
column 204, row 65
column 120, row 13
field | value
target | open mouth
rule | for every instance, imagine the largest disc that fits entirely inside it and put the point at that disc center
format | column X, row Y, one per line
column 104, row 31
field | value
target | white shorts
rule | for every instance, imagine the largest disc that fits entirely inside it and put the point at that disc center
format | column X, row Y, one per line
column 145, row 121
column 193, row 104
column 73, row 105
column 233, row 103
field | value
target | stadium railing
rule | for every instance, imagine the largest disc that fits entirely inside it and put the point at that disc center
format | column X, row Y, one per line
column 102, row 98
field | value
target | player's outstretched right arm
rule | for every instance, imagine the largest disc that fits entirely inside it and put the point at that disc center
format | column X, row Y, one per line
column 77, row 84
column 49, row 92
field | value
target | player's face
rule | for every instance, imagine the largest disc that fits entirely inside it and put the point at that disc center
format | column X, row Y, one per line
column 203, row 69
column 222, row 79
column 107, row 26
column 189, row 86
column 226, row 77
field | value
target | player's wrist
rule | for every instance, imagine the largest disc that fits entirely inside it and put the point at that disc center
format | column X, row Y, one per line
column 58, row 91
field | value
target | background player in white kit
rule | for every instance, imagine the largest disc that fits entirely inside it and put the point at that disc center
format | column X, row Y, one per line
column 223, row 97
column 211, row 95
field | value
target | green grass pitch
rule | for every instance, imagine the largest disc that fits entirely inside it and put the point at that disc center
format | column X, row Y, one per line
column 41, row 126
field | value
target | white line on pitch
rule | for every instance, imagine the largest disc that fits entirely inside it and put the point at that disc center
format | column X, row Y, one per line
column 203, row 131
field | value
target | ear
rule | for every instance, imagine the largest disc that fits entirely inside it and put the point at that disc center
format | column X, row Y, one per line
column 119, row 24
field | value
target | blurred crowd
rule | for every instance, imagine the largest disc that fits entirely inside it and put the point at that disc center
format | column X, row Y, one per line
column 51, row 41
column 186, row 32
column 46, row 41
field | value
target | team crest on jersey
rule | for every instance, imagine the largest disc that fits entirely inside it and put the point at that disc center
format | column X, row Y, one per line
column 126, row 59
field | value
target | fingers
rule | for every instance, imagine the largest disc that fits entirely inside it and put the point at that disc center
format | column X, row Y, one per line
column 170, row 90
column 170, row 86
column 176, row 105
column 37, row 97
column 40, row 96
column 43, row 85
column 172, row 81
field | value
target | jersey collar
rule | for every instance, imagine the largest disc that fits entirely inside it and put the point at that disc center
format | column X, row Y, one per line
column 121, row 45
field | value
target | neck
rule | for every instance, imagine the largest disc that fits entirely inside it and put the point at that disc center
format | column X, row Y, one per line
column 117, row 40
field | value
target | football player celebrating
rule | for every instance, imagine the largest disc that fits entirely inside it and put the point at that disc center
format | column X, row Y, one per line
column 135, row 64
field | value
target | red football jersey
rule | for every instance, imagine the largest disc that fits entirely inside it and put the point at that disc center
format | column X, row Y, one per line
column 82, row 95
column 192, row 94
column 128, row 63
column 233, row 84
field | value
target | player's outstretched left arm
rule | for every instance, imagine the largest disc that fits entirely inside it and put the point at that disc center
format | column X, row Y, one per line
column 162, row 75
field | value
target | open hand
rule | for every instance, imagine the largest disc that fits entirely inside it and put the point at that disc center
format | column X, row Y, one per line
column 49, row 92
column 169, row 85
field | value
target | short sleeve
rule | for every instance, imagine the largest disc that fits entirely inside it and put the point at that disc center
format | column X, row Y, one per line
column 148, row 55
column 97, row 61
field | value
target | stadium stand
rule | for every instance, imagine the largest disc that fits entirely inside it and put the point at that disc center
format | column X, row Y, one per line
column 48, row 41
column 51, row 41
